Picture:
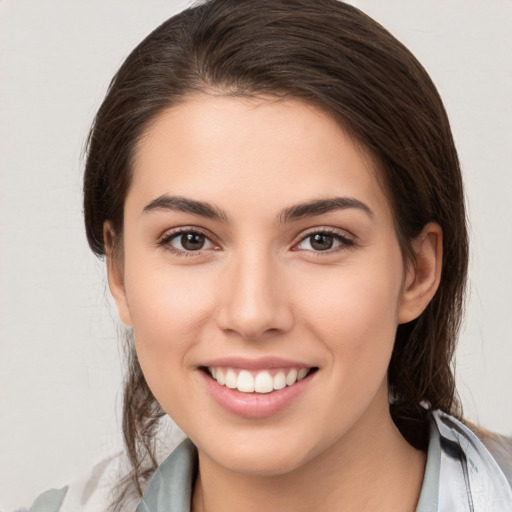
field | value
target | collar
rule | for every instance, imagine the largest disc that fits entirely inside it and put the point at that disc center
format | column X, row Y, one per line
column 470, row 480
column 171, row 486
column 460, row 475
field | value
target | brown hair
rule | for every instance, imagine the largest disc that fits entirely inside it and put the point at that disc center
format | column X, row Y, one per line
column 329, row 54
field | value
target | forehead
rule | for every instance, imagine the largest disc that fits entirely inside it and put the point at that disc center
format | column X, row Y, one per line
column 216, row 147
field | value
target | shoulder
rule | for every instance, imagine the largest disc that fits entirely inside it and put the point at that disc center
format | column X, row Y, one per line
column 49, row 501
column 90, row 494
column 99, row 489
column 475, row 464
column 500, row 447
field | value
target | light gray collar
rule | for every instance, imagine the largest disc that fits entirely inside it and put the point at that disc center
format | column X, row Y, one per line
column 460, row 475
column 171, row 486
column 470, row 480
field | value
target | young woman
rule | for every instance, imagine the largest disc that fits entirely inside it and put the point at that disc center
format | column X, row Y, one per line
column 277, row 195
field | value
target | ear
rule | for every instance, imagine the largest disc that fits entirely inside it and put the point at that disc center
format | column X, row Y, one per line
column 422, row 275
column 115, row 273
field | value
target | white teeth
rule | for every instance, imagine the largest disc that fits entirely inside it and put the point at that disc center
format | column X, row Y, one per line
column 279, row 380
column 263, row 383
column 259, row 382
column 291, row 378
column 302, row 373
column 230, row 379
column 245, row 382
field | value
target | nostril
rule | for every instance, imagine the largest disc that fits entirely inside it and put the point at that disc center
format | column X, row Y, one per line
column 254, row 323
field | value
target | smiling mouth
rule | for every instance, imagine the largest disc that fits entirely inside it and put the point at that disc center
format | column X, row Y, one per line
column 262, row 381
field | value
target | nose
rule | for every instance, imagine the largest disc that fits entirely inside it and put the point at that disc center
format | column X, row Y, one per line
column 254, row 299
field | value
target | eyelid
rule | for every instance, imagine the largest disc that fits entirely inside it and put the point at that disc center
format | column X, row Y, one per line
column 165, row 239
column 346, row 238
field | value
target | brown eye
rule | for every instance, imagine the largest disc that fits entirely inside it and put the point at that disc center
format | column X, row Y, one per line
column 324, row 241
column 321, row 241
column 192, row 241
column 186, row 242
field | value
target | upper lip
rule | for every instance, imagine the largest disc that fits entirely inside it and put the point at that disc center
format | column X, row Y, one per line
column 260, row 363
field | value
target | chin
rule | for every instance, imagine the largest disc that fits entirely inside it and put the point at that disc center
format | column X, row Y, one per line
column 262, row 464
column 263, row 456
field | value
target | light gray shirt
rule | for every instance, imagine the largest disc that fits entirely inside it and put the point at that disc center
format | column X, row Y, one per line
column 461, row 475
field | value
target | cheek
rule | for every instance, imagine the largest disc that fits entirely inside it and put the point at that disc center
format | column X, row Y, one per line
column 168, row 310
column 355, row 310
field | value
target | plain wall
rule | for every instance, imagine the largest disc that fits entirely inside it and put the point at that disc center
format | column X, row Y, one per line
column 59, row 355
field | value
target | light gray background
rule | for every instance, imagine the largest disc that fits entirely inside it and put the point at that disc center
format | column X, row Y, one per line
column 59, row 361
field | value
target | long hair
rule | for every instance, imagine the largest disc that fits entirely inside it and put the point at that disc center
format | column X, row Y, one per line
column 333, row 56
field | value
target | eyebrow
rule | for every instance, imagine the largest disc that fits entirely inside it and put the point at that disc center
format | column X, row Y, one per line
column 186, row 205
column 290, row 214
column 321, row 206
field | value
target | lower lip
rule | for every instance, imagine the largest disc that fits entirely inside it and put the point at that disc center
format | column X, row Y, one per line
column 255, row 405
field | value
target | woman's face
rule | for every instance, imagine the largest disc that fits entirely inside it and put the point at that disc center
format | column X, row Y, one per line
column 263, row 280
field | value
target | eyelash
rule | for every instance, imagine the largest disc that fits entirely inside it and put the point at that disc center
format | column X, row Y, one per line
column 343, row 239
column 167, row 238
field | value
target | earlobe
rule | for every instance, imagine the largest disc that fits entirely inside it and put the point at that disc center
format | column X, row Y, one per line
column 424, row 274
column 115, row 274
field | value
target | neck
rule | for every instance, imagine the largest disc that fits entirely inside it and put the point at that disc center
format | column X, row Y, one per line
column 371, row 468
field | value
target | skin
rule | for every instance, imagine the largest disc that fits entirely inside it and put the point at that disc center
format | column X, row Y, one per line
column 258, row 287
